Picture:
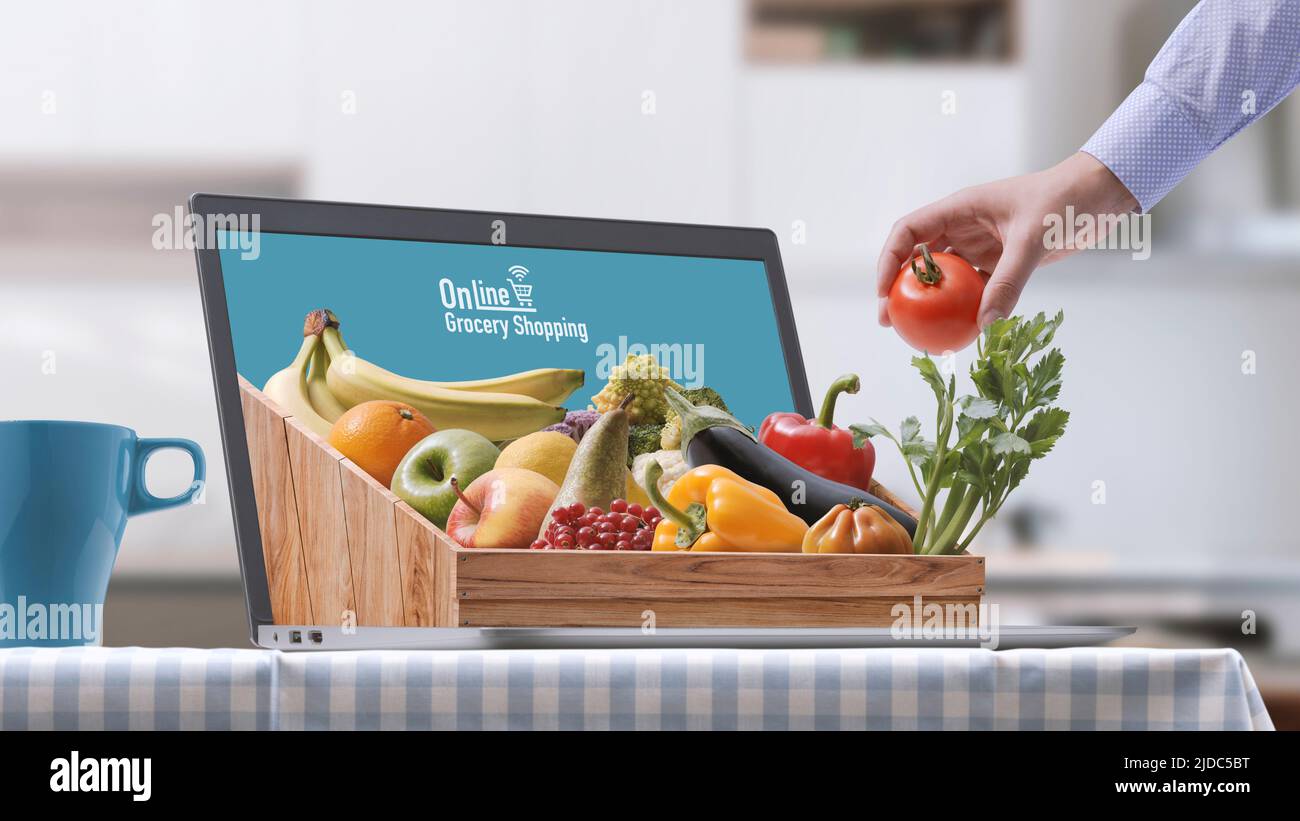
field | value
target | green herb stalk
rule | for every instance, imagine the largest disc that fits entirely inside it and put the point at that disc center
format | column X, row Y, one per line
column 1000, row 429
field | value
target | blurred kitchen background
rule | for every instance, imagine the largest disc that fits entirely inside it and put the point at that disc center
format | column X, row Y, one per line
column 1167, row 505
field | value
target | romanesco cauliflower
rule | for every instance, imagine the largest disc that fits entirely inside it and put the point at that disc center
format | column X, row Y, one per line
column 645, row 379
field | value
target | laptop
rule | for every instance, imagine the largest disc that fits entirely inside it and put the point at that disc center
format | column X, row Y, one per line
column 457, row 296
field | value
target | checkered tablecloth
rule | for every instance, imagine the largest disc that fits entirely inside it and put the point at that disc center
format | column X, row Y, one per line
column 1105, row 689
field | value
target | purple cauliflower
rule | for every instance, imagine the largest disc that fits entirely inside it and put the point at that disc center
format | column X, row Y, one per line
column 576, row 424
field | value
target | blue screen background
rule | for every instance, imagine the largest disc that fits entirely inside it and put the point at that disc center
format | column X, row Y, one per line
column 385, row 293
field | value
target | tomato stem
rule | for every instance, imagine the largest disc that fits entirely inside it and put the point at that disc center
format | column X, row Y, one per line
column 931, row 273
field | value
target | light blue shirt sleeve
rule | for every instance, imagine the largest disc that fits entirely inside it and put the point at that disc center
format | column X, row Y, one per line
column 1225, row 66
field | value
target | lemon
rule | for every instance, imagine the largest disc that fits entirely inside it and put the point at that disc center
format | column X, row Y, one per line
column 546, row 452
column 549, row 453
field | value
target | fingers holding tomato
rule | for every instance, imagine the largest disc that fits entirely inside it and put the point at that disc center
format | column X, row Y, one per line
column 934, row 302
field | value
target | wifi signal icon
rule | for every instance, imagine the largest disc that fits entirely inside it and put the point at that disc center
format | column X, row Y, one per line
column 523, row 293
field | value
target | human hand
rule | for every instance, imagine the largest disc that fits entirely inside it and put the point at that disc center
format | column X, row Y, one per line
column 999, row 227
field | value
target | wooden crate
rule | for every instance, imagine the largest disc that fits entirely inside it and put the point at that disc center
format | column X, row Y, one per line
column 339, row 548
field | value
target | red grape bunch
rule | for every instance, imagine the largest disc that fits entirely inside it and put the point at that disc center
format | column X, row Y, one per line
column 624, row 527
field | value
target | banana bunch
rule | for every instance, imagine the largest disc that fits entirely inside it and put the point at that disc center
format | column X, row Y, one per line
column 300, row 389
column 327, row 378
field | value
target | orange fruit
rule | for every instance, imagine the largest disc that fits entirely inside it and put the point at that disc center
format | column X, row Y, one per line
column 377, row 434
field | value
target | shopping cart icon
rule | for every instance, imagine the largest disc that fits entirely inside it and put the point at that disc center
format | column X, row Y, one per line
column 523, row 293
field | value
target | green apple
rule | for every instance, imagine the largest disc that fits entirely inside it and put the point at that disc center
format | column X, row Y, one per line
column 423, row 478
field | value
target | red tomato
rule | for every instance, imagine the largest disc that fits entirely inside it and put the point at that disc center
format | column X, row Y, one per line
column 934, row 302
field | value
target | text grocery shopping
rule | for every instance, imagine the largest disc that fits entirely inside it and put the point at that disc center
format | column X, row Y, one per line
column 513, row 297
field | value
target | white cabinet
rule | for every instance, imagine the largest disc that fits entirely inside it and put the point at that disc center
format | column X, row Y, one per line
column 588, row 108
column 151, row 80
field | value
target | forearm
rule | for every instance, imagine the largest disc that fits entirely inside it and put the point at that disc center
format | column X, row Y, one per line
column 1227, row 64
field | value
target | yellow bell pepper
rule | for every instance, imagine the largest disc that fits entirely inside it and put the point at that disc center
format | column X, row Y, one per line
column 713, row 509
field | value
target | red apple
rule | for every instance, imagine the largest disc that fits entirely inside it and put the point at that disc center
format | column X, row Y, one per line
column 502, row 508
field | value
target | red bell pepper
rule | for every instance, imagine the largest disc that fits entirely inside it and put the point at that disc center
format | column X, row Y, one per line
column 817, row 445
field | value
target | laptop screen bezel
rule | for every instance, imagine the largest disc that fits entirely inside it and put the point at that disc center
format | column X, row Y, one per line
column 365, row 221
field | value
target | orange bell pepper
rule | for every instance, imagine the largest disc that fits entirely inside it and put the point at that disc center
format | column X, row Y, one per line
column 857, row 527
column 713, row 509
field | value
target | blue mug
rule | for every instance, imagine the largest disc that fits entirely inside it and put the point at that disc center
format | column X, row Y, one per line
column 66, row 491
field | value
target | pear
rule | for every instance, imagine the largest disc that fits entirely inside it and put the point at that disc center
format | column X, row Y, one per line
column 597, row 475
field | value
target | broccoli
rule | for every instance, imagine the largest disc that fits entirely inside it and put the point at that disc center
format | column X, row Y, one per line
column 671, row 435
column 642, row 439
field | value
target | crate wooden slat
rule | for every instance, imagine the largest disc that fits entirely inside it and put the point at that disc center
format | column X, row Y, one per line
column 364, row 552
column 419, row 551
column 277, row 507
column 537, row 574
column 372, row 547
column 321, row 523
column 657, row 612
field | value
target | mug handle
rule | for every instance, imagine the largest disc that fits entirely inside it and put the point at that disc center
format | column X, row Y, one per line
column 142, row 501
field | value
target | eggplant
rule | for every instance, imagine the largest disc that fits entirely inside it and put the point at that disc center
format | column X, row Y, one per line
column 711, row 436
column 761, row 465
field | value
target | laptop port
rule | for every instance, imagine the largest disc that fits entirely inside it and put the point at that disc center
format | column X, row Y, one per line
column 316, row 636
column 295, row 637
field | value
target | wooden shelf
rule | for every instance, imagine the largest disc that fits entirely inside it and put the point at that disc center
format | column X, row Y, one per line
column 817, row 31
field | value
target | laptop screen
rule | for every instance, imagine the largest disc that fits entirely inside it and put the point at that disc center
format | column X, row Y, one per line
column 451, row 312
column 353, row 540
